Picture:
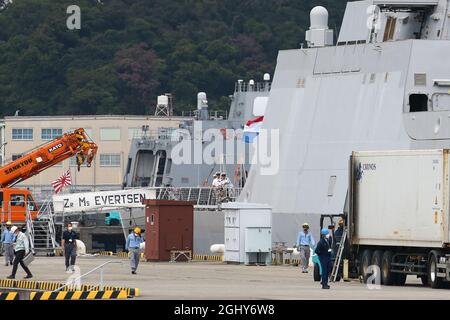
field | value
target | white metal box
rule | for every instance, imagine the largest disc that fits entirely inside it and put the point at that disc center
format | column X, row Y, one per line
column 258, row 240
column 400, row 198
column 248, row 232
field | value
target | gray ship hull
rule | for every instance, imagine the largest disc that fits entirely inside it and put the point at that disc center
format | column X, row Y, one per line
column 385, row 87
column 330, row 101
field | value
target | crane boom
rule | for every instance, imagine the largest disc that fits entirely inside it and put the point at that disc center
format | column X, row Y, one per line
column 70, row 144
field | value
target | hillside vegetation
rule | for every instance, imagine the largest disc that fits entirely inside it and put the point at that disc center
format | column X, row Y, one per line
column 129, row 51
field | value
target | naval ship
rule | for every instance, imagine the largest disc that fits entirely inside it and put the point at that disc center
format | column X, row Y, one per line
column 384, row 85
column 153, row 160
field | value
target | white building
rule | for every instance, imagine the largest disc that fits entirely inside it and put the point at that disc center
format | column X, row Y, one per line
column 112, row 134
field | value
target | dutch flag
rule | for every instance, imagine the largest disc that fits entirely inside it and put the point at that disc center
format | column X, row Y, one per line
column 251, row 129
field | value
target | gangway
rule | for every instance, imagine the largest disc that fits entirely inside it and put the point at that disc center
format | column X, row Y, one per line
column 42, row 231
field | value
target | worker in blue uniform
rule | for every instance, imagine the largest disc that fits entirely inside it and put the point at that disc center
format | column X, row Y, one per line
column 133, row 245
column 323, row 250
column 305, row 241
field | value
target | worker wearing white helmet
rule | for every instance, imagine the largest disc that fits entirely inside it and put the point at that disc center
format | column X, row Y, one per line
column 21, row 249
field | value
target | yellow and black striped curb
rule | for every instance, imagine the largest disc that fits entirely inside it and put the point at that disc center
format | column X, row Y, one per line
column 79, row 295
column 9, row 296
column 204, row 257
column 106, row 253
column 51, row 286
column 119, row 254
column 122, row 255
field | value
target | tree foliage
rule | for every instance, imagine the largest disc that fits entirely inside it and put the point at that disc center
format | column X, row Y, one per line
column 129, row 51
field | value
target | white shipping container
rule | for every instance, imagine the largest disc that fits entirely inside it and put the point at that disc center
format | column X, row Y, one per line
column 400, row 198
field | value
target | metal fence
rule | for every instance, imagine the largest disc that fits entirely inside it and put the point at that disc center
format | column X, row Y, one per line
column 204, row 196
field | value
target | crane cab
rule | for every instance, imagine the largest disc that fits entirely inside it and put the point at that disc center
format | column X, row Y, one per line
column 14, row 204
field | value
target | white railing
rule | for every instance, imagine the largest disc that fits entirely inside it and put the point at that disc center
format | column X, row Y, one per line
column 256, row 87
column 76, row 281
column 46, row 215
column 30, row 229
column 200, row 196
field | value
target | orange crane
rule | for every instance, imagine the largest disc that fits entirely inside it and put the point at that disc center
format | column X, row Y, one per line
column 14, row 201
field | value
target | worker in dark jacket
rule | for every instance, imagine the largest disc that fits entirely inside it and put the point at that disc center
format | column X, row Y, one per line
column 69, row 243
column 323, row 250
column 338, row 234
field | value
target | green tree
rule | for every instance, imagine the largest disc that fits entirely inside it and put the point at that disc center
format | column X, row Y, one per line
column 129, row 51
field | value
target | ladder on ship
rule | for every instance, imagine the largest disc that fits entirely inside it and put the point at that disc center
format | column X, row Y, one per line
column 338, row 260
column 42, row 231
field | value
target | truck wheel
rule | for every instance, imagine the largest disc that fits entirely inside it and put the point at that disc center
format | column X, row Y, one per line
column 400, row 279
column 377, row 257
column 316, row 274
column 366, row 260
column 433, row 279
column 387, row 277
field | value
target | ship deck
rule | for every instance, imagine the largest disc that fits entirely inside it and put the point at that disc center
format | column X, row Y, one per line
column 217, row 280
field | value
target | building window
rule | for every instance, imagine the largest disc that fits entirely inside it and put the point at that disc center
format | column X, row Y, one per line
column 110, row 160
column 22, row 134
column 135, row 133
column 110, row 134
column 50, row 133
column 16, row 156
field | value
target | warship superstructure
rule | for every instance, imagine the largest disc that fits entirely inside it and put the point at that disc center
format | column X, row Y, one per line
column 152, row 163
column 151, row 160
column 385, row 84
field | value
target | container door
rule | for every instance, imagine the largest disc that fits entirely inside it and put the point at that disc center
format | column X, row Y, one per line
column 152, row 234
column 232, row 239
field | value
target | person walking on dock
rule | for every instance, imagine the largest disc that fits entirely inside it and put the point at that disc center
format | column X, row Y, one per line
column 21, row 249
column 133, row 245
column 305, row 241
column 7, row 241
column 69, row 244
column 323, row 250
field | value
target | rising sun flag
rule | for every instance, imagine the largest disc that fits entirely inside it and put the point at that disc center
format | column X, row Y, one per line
column 63, row 181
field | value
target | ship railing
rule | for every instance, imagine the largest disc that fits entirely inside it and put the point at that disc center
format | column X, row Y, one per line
column 200, row 196
column 160, row 134
column 242, row 86
column 212, row 114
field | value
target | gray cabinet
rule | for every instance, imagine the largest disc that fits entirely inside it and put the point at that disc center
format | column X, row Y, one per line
column 248, row 233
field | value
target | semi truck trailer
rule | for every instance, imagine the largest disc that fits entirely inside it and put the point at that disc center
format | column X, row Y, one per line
column 398, row 216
